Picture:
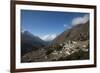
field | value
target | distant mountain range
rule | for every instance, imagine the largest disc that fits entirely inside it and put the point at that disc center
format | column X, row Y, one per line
column 30, row 42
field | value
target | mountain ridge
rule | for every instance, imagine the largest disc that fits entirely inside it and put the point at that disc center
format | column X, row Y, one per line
column 30, row 42
column 78, row 32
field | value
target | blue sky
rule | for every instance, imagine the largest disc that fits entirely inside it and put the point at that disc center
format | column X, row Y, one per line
column 41, row 23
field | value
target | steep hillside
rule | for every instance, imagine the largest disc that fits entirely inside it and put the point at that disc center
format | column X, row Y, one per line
column 30, row 42
column 76, row 33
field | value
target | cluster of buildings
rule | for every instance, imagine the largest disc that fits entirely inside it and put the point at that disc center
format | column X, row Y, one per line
column 69, row 48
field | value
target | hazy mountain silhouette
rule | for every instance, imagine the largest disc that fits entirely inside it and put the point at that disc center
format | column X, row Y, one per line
column 30, row 42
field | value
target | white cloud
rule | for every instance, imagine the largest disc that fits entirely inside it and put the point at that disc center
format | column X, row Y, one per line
column 48, row 37
column 65, row 25
column 80, row 20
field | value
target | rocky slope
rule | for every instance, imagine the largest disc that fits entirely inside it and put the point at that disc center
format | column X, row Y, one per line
column 79, row 32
